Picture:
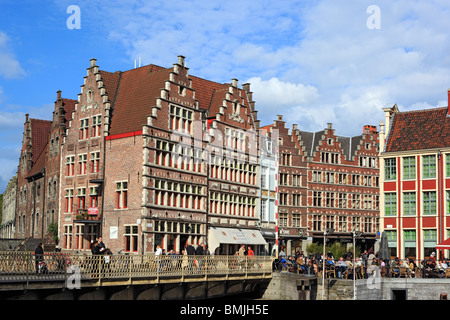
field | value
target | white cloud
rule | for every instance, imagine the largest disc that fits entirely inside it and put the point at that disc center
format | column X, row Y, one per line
column 9, row 66
column 316, row 62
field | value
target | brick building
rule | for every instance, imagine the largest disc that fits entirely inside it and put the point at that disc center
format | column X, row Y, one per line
column 415, row 181
column 156, row 156
column 343, row 185
column 37, row 201
column 234, row 179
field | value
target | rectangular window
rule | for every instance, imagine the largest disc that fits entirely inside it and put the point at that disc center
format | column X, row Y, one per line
column 181, row 119
column 447, row 164
column 84, row 128
column 263, row 210
column 390, row 169
column 283, row 220
column 81, row 195
column 329, row 199
column 409, row 203
column 390, row 204
column 429, row 202
column 296, row 180
column 131, row 238
column 296, row 221
column 96, row 125
column 356, row 224
column 68, row 237
column 70, row 163
column 69, row 200
column 448, row 202
column 93, row 194
column 429, row 235
column 121, row 195
column 95, row 162
column 297, row 200
column 284, row 199
column 409, row 168
column 272, row 179
column 409, row 235
column 356, row 203
column 264, row 178
column 317, row 222
column 429, row 241
column 284, row 179
column 429, row 166
column 79, row 233
column 317, row 198
column 82, row 161
column 342, row 225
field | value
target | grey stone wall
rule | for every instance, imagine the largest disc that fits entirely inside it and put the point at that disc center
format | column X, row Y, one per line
column 384, row 289
column 283, row 286
column 288, row 286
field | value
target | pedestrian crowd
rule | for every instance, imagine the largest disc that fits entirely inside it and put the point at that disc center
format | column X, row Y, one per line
column 365, row 265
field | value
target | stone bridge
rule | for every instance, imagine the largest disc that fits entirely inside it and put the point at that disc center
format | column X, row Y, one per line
column 129, row 277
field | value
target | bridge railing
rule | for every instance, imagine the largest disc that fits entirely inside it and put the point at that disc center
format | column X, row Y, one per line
column 18, row 266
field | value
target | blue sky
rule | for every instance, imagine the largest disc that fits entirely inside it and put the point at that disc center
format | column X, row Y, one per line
column 314, row 62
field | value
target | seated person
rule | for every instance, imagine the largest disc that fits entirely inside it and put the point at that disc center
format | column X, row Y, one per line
column 430, row 269
column 396, row 267
column 284, row 263
column 341, row 267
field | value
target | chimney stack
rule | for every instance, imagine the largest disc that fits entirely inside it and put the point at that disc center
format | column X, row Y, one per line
column 58, row 95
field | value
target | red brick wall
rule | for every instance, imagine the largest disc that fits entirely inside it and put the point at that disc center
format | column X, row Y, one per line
column 123, row 162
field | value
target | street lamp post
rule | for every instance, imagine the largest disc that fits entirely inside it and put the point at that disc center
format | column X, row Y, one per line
column 328, row 231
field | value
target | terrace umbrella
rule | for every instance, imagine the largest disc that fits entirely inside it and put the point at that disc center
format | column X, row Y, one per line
column 384, row 247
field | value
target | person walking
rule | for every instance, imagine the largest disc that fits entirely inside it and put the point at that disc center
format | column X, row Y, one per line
column 190, row 251
column 38, row 256
column 199, row 252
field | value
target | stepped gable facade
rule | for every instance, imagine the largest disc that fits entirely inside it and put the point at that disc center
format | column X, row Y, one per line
column 39, row 170
column 137, row 159
column 343, row 184
column 292, row 187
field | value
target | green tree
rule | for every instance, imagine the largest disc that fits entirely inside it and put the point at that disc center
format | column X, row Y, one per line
column 53, row 232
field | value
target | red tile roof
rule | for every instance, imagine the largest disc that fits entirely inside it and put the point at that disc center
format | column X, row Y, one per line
column 133, row 93
column 204, row 91
column 419, row 130
column 110, row 81
column 40, row 132
column 40, row 163
column 135, row 97
column 69, row 107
